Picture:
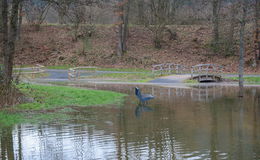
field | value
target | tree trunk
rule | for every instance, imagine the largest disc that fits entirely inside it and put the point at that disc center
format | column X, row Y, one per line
column 9, row 143
column 257, row 28
column 9, row 40
column 242, row 48
column 123, row 16
column 5, row 30
column 1, row 18
column 140, row 11
column 230, row 49
column 20, row 21
column 215, row 21
column 172, row 10
column 125, row 29
column 120, row 27
column 62, row 9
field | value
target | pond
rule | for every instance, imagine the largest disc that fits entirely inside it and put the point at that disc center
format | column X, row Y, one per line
column 180, row 123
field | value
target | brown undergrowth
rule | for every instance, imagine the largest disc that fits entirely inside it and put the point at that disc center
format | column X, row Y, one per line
column 54, row 45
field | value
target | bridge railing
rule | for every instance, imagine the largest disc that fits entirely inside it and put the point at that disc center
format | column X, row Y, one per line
column 74, row 73
column 168, row 68
column 206, row 70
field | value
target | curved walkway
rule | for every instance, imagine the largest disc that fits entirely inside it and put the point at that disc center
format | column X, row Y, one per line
column 56, row 75
column 172, row 79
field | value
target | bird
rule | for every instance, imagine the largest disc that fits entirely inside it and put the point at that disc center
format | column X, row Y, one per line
column 143, row 98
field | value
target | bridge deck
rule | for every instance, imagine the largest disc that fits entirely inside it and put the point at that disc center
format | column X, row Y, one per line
column 207, row 78
column 207, row 72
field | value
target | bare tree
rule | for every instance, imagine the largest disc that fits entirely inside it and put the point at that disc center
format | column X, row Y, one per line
column 62, row 8
column 123, row 8
column 257, row 31
column 20, row 20
column 159, row 10
column 77, row 16
column 173, row 5
column 244, row 6
column 36, row 12
column 215, row 20
column 4, row 9
column 141, row 17
column 1, row 20
column 9, row 39
column 76, row 13
column 231, row 31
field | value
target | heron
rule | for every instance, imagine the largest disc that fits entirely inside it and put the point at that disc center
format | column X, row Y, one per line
column 143, row 97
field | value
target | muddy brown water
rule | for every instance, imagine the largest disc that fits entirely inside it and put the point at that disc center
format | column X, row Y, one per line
column 198, row 123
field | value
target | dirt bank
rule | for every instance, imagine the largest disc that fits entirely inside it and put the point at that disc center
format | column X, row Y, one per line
column 54, row 45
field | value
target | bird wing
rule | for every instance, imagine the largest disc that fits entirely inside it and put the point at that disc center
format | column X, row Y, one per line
column 147, row 96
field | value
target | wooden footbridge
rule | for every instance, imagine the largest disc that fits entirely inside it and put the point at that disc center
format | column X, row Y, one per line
column 200, row 72
column 207, row 72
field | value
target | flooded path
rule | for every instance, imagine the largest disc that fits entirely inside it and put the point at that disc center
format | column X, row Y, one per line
column 203, row 122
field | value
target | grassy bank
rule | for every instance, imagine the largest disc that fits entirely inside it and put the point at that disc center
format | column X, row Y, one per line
column 50, row 102
column 46, row 97
column 190, row 81
column 125, row 77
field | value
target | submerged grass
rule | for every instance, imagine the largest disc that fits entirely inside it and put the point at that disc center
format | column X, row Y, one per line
column 251, row 80
column 8, row 119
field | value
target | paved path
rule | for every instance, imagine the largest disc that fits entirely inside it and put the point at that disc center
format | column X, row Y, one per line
column 172, row 79
column 62, row 75
column 57, row 74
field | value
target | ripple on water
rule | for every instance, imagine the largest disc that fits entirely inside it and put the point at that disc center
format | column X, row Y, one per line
column 175, row 128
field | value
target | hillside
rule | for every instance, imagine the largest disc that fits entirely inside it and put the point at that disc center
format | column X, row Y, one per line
column 54, row 45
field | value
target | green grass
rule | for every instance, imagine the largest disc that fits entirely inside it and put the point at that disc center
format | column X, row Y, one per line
column 251, row 80
column 126, row 77
column 59, row 101
column 65, row 67
column 47, row 97
column 191, row 81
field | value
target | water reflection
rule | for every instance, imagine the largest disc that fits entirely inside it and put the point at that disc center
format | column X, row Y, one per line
column 173, row 126
column 141, row 108
column 202, row 93
column 7, row 151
